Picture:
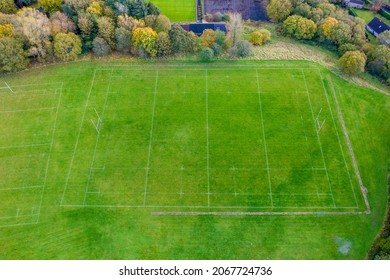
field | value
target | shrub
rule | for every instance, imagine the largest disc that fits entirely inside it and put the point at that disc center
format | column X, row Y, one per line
column 353, row 62
column 100, row 47
column 346, row 48
column 7, row 7
column 123, row 39
column 7, row 30
column 67, row 46
column 95, row 9
column 266, row 35
column 12, row 55
column 208, row 38
column 163, row 44
column 221, row 39
column 217, row 49
column 206, row 54
column 51, row 6
column 244, row 48
column 145, row 39
column 256, row 38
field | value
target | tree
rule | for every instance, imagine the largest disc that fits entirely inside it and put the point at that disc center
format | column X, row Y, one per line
column 163, row 44
column 95, row 9
column 12, row 55
column 353, row 62
column 207, row 54
column 7, row 30
column 100, row 47
column 221, row 39
column 36, row 28
column 235, row 27
column 67, row 46
column 7, row 7
column 183, row 41
column 138, row 8
column 341, row 34
column 327, row 9
column 145, row 39
column 86, row 25
column 208, row 38
column 279, row 9
column 244, row 48
column 327, row 25
column 106, row 30
column 346, row 48
column 51, row 6
column 260, row 37
column 123, row 39
column 159, row 23
column 60, row 23
column 130, row 23
column 384, row 38
column 24, row 3
column 77, row 4
column 299, row 27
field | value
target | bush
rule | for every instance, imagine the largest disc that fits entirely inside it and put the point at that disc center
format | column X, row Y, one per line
column 7, row 7
column 208, row 38
column 145, row 39
column 51, row 6
column 353, row 62
column 163, row 44
column 221, row 39
column 217, row 49
column 67, row 46
column 207, row 54
column 100, row 47
column 244, row 48
column 123, row 39
column 12, row 55
column 256, row 38
column 346, row 48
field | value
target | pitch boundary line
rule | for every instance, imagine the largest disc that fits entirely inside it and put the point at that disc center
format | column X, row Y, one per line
column 318, row 138
column 29, row 110
column 150, row 139
column 339, row 140
column 265, row 143
column 21, row 188
column 24, row 146
column 97, row 139
column 352, row 154
column 78, row 139
column 255, row 213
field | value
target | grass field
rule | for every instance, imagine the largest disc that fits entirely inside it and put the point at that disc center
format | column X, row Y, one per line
column 177, row 11
column 189, row 161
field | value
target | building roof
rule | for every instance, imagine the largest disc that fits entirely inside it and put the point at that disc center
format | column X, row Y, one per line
column 198, row 28
column 377, row 25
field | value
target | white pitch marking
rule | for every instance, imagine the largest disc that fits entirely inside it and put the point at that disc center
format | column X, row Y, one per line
column 29, row 110
column 78, row 139
column 207, row 139
column 319, row 139
column 265, row 143
column 151, row 139
column 9, row 87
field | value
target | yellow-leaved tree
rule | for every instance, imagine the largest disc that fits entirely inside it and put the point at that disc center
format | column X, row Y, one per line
column 144, row 39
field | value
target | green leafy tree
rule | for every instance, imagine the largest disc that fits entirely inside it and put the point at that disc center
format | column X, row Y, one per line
column 353, row 62
column 183, row 41
column 159, row 23
column 7, row 7
column 206, row 54
column 222, row 39
column 279, row 9
column 346, row 48
column 123, row 39
column 144, row 39
column 51, row 6
column 341, row 34
column 163, row 44
column 299, row 27
column 384, row 38
column 12, row 55
column 67, row 46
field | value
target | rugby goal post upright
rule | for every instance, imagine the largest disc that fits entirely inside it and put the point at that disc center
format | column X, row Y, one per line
column 99, row 122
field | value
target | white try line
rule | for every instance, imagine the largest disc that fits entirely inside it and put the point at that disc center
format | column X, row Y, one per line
column 207, row 138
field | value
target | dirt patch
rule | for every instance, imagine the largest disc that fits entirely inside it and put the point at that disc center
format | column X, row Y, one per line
column 249, row 9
